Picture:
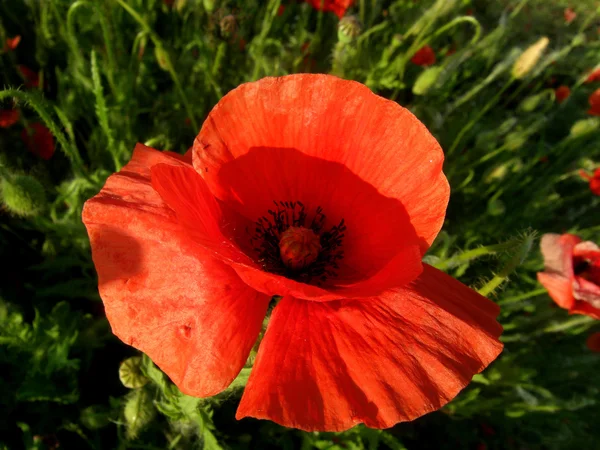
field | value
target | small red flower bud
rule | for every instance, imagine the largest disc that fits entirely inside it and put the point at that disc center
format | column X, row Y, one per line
column 299, row 247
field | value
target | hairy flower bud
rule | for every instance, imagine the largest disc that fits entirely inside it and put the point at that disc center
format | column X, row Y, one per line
column 139, row 411
column 426, row 80
column 23, row 195
column 529, row 58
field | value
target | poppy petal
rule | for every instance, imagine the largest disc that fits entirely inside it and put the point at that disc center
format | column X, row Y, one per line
column 163, row 295
column 334, row 120
column 559, row 287
column 379, row 361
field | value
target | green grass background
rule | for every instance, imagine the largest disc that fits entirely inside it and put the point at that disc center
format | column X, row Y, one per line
column 115, row 72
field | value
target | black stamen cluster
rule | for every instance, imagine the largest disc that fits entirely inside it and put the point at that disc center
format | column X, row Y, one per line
column 268, row 230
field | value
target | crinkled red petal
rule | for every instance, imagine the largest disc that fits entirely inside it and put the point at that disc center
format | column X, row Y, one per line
column 164, row 294
column 378, row 361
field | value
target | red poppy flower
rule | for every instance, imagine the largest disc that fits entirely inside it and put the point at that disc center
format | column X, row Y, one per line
column 593, row 76
column 32, row 79
column 594, row 180
column 425, row 56
column 570, row 15
column 12, row 43
column 39, row 140
column 562, row 93
column 594, row 100
column 315, row 189
column 338, row 7
column 8, row 117
column 593, row 342
column 280, row 10
column 572, row 273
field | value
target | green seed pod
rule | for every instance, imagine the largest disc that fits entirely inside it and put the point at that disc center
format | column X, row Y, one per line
column 426, row 80
column 584, row 126
column 139, row 411
column 95, row 417
column 23, row 195
column 349, row 29
column 130, row 373
column 496, row 207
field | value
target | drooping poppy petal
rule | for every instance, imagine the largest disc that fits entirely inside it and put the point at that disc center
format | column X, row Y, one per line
column 593, row 342
column 12, row 43
column 162, row 293
column 378, row 361
column 561, row 93
column 338, row 7
column 39, row 140
column 8, row 117
column 425, row 56
column 31, row 78
column 594, row 101
column 335, row 120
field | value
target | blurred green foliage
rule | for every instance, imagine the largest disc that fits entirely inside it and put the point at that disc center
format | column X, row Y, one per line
column 115, row 72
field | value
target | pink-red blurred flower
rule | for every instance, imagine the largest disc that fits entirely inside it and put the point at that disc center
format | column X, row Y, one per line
column 8, row 117
column 570, row 15
column 425, row 56
column 594, row 101
column 12, row 43
column 39, row 140
column 32, row 78
column 593, row 76
column 561, row 93
column 593, row 342
column 572, row 273
column 338, row 7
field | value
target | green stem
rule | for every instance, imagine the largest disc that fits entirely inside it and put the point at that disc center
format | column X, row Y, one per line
column 518, row 298
column 478, row 252
column 167, row 61
column 478, row 116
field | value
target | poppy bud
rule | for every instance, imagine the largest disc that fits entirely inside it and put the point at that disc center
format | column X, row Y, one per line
column 139, row 412
column 426, row 80
column 299, row 247
column 584, row 126
column 496, row 207
column 209, row 5
column 161, row 57
column 23, row 195
column 130, row 373
column 95, row 417
column 534, row 102
column 515, row 140
column 228, row 25
column 529, row 58
column 349, row 29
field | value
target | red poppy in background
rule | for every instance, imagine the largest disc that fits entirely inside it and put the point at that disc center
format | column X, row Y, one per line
column 11, row 44
column 594, row 101
column 593, row 76
column 570, row 15
column 39, row 140
column 32, row 79
column 561, row 93
column 338, row 7
column 593, row 179
column 8, row 117
column 593, row 342
column 315, row 189
column 572, row 273
column 425, row 56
